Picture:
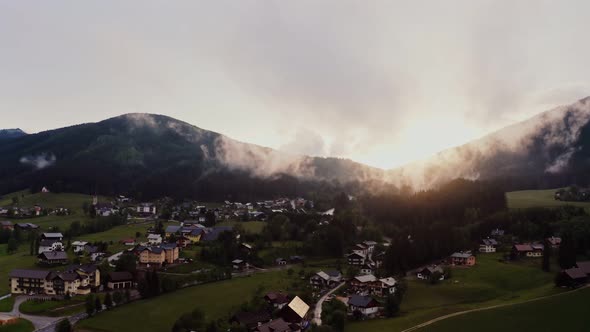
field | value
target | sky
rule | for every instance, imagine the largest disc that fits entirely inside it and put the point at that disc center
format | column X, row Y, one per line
column 380, row 82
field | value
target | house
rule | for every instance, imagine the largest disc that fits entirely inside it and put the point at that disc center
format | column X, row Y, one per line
column 361, row 248
column 497, row 233
column 239, row 265
column 276, row 325
column 488, row 246
column 428, row 271
column 52, row 236
column 356, row 259
column 384, row 287
column 574, row 277
column 79, row 246
column 555, row 242
column 53, row 257
column 183, row 241
column 75, row 281
column 27, row 226
column 97, row 256
column 164, row 254
column 280, row 261
column 276, row 299
column 146, row 209
column 50, row 245
column 6, row 225
column 212, row 234
column 527, row 250
column 172, row 229
column 194, row 235
column 367, row 268
column 370, row 245
column 128, row 242
column 366, row 305
column 104, row 209
column 251, row 320
column 325, row 279
column 120, row 280
column 295, row 312
column 154, row 239
column 585, row 266
column 462, row 259
column 362, row 284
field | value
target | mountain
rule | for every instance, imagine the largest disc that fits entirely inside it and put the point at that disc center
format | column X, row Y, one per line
column 549, row 150
column 11, row 133
column 154, row 155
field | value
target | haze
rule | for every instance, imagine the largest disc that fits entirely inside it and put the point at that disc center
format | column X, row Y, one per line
column 382, row 83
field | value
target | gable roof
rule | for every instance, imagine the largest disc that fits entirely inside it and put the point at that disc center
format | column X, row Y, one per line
column 52, row 235
column 251, row 318
column 120, row 276
column 323, row 275
column 361, row 301
column 463, row 255
column 277, row 325
column 585, row 266
column 54, row 255
column 365, row 278
column 388, row 281
column 575, row 273
column 334, row 273
column 299, row 307
column 523, row 247
column 32, row 274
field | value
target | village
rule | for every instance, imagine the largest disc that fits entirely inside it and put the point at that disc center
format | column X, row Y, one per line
column 173, row 252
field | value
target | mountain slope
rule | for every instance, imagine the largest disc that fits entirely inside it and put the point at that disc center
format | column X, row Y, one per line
column 11, row 133
column 548, row 150
column 154, row 155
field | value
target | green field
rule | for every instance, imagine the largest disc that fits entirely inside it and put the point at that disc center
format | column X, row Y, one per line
column 6, row 304
column 216, row 300
column 254, row 227
column 537, row 198
column 488, row 283
column 53, row 308
column 568, row 312
column 22, row 325
column 50, row 200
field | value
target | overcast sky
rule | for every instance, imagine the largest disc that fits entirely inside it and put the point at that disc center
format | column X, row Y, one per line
column 381, row 82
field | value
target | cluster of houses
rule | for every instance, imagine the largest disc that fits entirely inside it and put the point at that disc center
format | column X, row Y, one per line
column 262, row 209
column 364, row 257
column 282, row 314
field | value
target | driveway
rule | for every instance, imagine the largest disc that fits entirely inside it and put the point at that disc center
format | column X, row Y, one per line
column 317, row 312
column 39, row 322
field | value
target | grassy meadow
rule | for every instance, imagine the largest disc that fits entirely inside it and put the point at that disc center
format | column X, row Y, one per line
column 22, row 325
column 537, row 198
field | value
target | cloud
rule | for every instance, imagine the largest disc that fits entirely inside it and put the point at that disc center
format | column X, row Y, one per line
column 39, row 161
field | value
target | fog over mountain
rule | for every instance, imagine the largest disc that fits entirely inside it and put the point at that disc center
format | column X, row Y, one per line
column 149, row 153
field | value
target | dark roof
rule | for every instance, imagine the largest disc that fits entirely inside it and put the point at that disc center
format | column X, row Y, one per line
column 575, row 273
column 33, row 274
column 47, row 243
column 87, row 268
column 523, row 247
column 277, row 325
column 585, row 266
column 277, row 298
column 54, row 255
column 333, row 273
column 69, row 276
column 213, row 233
column 251, row 319
column 361, row 301
column 120, row 276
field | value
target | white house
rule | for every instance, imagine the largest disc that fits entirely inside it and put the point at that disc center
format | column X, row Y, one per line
column 366, row 305
column 488, row 246
column 154, row 239
column 52, row 236
column 146, row 208
column 50, row 245
column 79, row 246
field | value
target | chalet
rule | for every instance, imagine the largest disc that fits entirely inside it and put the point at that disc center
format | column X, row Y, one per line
column 370, row 245
column 212, row 234
column 585, row 266
column 50, row 245
column 362, row 284
column 361, row 248
column 154, row 239
column 488, row 246
column 87, row 271
column 462, row 259
column 280, row 261
column 295, row 312
column 27, row 226
column 428, row 271
column 276, row 300
column 251, row 320
column 239, row 265
column 52, row 236
column 6, row 225
column 356, row 259
column 384, row 287
column 555, row 242
column 104, row 209
column 172, row 229
column 53, row 257
column 76, row 281
column 574, row 277
column 79, row 246
column 146, row 209
column 497, row 233
column 120, row 280
column 367, row 268
column 97, row 256
column 366, row 305
column 527, row 250
column 325, row 279
column 276, row 325
column 128, row 242
column 164, row 254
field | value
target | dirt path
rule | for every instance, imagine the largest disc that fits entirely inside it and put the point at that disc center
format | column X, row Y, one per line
column 459, row 313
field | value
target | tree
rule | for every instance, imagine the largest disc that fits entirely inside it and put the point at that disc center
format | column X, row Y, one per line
column 15, row 200
column 63, row 326
column 118, row 297
column 108, row 301
column 12, row 245
column 127, row 262
column 127, row 295
column 391, row 305
column 193, row 321
column 90, row 304
column 86, row 208
column 97, row 304
column 547, row 252
column 567, row 251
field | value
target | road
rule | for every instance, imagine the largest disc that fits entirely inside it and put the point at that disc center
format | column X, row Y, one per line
column 40, row 322
column 432, row 321
column 317, row 313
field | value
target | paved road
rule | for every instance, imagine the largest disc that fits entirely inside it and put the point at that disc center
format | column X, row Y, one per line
column 317, row 313
column 432, row 321
column 39, row 322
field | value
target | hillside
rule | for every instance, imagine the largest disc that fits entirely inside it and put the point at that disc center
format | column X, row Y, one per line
column 537, row 198
column 11, row 133
column 154, row 155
